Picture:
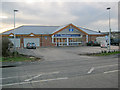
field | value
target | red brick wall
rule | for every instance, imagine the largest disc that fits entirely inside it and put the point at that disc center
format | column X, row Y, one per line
column 84, row 38
column 92, row 38
column 21, row 42
column 46, row 42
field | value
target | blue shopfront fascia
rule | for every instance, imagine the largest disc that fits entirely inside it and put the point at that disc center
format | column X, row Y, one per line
column 67, row 35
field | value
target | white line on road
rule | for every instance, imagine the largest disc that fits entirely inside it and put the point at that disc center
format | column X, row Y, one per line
column 33, row 78
column 27, row 75
column 91, row 70
column 111, row 71
column 107, row 66
column 34, row 81
column 51, row 73
column 13, row 77
column 41, row 75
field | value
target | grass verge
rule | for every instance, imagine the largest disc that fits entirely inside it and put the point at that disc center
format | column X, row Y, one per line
column 102, row 53
column 107, row 53
column 16, row 59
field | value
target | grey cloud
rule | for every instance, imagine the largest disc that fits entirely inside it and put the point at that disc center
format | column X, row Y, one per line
column 82, row 14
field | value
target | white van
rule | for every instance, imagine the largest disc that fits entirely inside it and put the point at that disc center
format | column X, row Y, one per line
column 103, row 44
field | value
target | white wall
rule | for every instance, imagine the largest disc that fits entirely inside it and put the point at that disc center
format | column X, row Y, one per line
column 17, row 41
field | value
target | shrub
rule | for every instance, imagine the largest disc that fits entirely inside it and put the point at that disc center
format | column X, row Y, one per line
column 105, row 51
column 6, row 45
column 102, row 51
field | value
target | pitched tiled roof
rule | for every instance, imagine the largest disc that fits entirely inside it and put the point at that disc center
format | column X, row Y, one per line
column 90, row 32
column 33, row 29
column 46, row 30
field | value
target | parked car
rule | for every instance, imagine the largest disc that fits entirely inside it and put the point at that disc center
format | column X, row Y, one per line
column 90, row 43
column 31, row 46
column 93, row 43
column 115, row 41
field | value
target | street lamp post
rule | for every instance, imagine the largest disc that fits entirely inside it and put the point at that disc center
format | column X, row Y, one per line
column 109, row 29
column 14, row 32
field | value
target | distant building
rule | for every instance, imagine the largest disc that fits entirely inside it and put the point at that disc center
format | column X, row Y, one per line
column 44, row 36
column 114, row 34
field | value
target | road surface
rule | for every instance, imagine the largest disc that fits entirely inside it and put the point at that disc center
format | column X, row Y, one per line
column 63, row 69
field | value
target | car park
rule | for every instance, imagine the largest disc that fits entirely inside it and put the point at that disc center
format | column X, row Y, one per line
column 31, row 45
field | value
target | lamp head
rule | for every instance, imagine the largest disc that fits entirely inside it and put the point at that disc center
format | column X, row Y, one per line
column 15, row 10
column 108, row 8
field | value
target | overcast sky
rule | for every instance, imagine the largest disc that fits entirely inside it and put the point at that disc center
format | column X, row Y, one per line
column 91, row 15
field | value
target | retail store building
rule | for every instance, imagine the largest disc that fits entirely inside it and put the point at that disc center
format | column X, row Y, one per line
column 44, row 36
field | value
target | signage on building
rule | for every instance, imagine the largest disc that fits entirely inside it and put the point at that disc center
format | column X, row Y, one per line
column 67, row 35
column 70, row 30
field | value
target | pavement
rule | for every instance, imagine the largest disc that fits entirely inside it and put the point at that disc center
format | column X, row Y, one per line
column 63, row 68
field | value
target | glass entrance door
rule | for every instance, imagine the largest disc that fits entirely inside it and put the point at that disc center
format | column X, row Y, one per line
column 67, row 41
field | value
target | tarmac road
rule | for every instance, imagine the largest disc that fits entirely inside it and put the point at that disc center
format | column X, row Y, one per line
column 63, row 68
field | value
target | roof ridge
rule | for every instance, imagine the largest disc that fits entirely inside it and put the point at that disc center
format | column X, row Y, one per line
column 12, row 29
column 88, row 29
column 40, row 26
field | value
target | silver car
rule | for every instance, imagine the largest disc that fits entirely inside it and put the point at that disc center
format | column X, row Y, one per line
column 31, row 46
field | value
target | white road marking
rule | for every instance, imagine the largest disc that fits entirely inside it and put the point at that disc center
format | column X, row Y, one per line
column 51, row 73
column 41, row 75
column 91, row 70
column 33, row 78
column 34, row 81
column 111, row 71
column 29, row 75
column 107, row 66
column 14, row 77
